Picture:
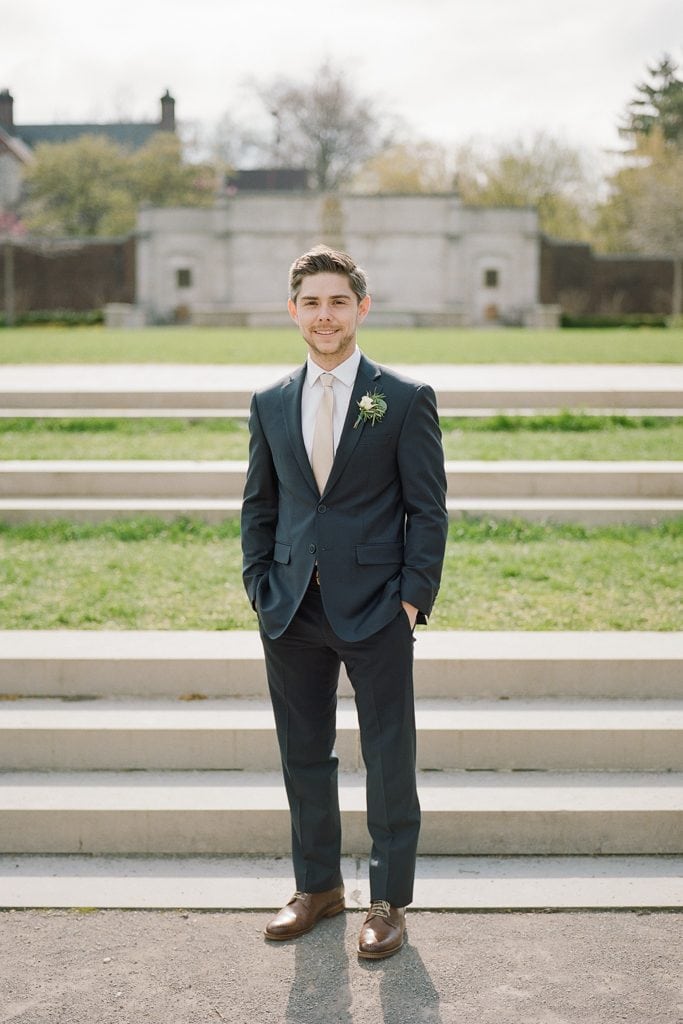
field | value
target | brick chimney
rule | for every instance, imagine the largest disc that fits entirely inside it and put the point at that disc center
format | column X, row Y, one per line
column 167, row 112
column 7, row 110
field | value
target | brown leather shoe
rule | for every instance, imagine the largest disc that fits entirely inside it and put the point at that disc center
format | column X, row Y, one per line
column 303, row 912
column 383, row 931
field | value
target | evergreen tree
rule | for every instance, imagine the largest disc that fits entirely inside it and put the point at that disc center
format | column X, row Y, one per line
column 658, row 106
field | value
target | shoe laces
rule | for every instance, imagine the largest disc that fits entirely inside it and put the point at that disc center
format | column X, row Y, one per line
column 380, row 908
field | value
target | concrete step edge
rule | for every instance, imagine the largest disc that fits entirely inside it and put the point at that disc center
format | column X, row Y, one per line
column 242, row 412
column 244, row 883
column 448, row 664
column 240, row 735
column 223, row 466
column 220, row 714
column 461, row 646
column 483, row 395
column 471, row 792
column 183, row 481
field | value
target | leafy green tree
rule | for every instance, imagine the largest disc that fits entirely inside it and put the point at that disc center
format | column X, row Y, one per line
column 79, row 188
column 643, row 210
column 546, row 174
column 92, row 186
column 407, row 167
column 656, row 217
column 158, row 175
column 614, row 218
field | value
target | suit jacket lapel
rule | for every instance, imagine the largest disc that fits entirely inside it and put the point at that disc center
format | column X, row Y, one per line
column 367, row 374
column 291, row 407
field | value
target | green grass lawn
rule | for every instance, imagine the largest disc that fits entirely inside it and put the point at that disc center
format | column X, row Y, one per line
column 283, row 345
column 186, row 575
column 562, row 436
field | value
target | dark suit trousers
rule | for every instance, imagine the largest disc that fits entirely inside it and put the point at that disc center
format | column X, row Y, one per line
column 303, row 671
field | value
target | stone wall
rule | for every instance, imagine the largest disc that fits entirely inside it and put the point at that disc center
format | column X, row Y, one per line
column 429, row 259
column 430, row 262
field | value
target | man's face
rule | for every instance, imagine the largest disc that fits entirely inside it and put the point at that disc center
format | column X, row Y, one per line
column 328, row 313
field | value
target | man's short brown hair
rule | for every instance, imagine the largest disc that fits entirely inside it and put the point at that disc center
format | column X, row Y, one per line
column 323, row 260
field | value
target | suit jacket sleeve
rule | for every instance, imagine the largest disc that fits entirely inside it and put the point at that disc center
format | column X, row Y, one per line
column 259, row 507
column 423, row 480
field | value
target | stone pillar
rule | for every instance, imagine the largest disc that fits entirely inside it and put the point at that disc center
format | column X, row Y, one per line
column 332, row 222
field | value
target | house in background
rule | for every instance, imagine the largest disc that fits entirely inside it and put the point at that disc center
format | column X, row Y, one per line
column 18, row 140
column 15, row 156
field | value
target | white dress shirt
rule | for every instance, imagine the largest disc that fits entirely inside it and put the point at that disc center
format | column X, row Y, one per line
column 342, row 386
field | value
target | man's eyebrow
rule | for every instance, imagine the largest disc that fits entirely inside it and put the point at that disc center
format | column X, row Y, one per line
column 342, row 295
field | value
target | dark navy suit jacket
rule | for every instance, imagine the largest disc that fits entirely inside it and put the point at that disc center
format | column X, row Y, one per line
column 377, row 533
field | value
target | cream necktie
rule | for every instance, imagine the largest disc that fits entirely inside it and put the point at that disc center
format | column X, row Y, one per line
column 322, row 453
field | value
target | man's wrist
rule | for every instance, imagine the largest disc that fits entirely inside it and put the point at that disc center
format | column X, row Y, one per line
column 411, row 611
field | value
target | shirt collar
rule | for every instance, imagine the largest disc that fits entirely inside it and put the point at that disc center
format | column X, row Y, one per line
column 345, row 372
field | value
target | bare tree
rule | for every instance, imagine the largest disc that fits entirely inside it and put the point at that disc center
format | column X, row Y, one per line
column 323, row 125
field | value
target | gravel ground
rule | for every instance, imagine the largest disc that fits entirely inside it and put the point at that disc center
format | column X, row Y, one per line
column 179, row 967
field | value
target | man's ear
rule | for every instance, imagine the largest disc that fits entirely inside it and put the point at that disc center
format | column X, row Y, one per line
column 364, row 308
column 292, row 311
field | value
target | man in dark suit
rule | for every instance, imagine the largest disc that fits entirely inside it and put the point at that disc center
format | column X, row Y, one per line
column 343, row 533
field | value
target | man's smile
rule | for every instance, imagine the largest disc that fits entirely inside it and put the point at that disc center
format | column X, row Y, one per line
column 328, row 312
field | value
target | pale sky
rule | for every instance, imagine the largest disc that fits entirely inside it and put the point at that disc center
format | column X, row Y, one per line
column 494, row 69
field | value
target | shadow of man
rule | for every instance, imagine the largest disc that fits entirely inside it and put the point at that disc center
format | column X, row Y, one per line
column 407, row 992
column 321, row 992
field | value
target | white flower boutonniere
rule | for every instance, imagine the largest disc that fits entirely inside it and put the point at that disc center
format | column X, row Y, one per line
column 371, row 409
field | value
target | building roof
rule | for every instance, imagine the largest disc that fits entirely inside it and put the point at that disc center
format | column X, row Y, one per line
column 128, row 134
column 269, row 179
column 131, row 134
column 15, row 146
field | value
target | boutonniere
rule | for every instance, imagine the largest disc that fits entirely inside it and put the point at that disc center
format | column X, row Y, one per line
column 371, row 409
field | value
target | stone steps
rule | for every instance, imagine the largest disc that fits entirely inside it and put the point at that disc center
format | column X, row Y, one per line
column 241, row 883
column 534, row 746
column 585, row 511
column 502, row 386
column 454, row 665
column 238, row 735
column 234, row 813
column 242, row 412
column 95, row 491
column 225, row 479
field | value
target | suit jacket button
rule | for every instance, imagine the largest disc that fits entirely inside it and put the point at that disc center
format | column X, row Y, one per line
column 322, row 508
column 311, row 548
